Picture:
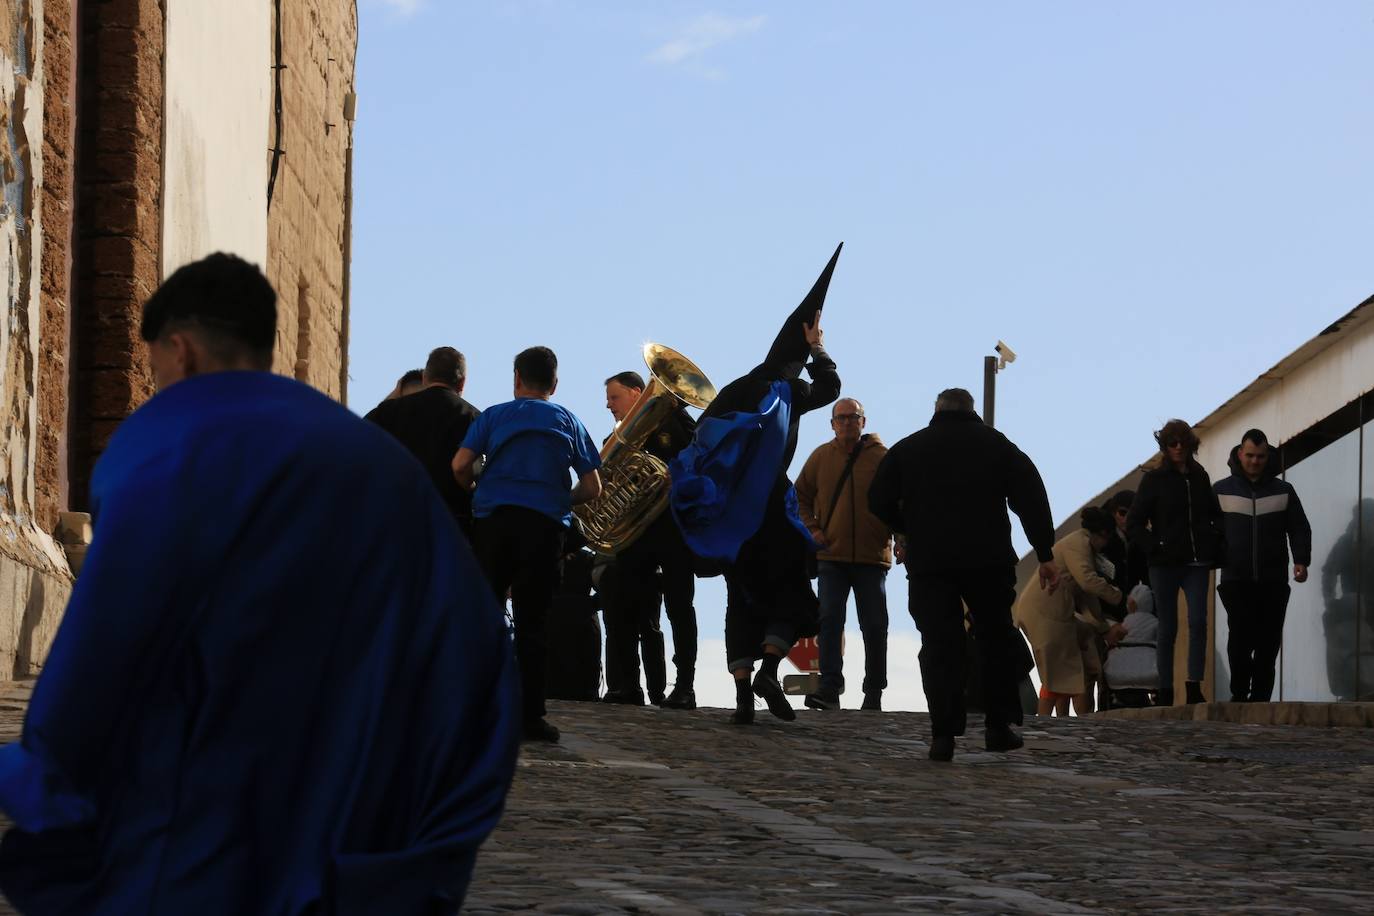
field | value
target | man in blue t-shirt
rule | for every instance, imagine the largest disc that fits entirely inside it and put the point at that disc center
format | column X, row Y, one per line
column 523, row 507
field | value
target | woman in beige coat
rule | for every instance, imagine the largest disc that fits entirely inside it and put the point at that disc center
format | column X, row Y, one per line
column 1051, row 619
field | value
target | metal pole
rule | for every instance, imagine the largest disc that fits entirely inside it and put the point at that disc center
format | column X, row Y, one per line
column 989, row 388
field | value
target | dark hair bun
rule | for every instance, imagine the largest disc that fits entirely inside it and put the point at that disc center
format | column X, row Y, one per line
column 1097, row 521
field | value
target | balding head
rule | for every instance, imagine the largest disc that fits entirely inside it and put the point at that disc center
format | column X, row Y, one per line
column 847, row 420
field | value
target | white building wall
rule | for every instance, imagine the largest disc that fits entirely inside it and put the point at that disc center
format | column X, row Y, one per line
column 218, row 107
column 1308, row 392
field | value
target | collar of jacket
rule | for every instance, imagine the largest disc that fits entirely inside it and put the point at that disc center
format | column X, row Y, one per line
column 955, row 416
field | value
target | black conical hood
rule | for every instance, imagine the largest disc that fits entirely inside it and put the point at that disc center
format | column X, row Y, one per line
column 790, row 350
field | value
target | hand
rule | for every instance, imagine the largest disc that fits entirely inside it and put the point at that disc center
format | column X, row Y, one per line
column 1114, row 635
column 814, row 338
column 899, row 552
column 1299, row 572
column 1049, row 577
column 819, row 537
column 1131, row 606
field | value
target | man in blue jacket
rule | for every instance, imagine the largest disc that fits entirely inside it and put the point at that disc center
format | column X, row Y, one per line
column 281, row 684
column 1263, row 518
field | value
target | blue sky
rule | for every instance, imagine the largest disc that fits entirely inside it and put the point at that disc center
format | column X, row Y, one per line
column 1152, row 203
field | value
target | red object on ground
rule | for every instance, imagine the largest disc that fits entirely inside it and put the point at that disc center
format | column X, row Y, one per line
column 805, row 655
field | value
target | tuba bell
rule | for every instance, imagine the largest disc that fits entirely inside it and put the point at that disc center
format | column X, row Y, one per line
column 634, row 483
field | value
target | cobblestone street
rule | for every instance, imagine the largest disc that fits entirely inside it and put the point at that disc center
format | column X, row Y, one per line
column 649, row 811
column 643, row 810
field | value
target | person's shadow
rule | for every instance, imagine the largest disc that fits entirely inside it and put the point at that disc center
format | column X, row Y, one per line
column 1347, row 581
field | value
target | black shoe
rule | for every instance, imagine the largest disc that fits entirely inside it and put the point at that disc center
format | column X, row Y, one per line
column 770, row 691
column 680, row 698
column 1194, row 692
column 540, row 730
column 823, row 699
column 743, row 715
column 656, row 699
column 1001, row 738
column 1165, row 697
column 942, row 748
column 634, row 698
column 873, row 701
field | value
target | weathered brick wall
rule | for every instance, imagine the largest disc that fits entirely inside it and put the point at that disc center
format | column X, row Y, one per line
column 58, row 197
column 118, row 220
column 306, row 230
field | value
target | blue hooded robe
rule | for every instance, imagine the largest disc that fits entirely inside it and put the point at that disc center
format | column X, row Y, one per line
column 281, row 685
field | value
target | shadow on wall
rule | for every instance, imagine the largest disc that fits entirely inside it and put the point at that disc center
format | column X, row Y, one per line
column 26, row 650
column 1347, row 582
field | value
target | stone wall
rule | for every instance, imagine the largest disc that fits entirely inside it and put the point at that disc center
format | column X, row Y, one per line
column 56, row 206
column 307, row 228
column 34, row 579
column 118, row 220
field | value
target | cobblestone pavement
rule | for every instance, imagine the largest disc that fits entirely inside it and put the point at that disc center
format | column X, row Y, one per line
column 653, row 811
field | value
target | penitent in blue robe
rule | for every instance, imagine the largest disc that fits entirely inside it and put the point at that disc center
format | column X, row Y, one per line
column 722, row 482
column 282, row 685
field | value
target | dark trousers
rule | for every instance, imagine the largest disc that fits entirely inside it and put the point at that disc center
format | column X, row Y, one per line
column 1254, row 615
column 632, row 628
column 769, row 598
column 869, row 584
column 519, row 549
column 937, row 605
column 1166, row 582
column 658, row 563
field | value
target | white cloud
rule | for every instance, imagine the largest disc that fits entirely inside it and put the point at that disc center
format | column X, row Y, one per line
column 404, row 8
column 703, row 34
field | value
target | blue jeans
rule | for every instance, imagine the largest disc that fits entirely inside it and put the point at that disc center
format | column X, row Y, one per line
column 833, row 583
column 1165, row 582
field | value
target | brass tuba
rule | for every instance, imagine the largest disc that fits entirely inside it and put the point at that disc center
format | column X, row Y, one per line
column 634, row 483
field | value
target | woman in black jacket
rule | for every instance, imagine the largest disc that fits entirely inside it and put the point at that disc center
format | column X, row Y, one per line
column 1177, row 520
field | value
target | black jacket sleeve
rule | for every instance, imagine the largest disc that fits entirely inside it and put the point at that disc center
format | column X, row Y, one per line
column 823, row 388
column 885, row 491
column 1142, row 508
column 1027, row 497
column 1299, row 530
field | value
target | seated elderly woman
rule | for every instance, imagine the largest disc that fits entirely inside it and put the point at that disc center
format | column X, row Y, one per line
column 1051, row 619
column 1132, row 667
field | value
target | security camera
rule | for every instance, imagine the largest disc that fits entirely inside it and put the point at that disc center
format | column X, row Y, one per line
column 1007, row 354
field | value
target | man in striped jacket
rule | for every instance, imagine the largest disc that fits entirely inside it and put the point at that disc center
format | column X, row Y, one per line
column 1263, row 518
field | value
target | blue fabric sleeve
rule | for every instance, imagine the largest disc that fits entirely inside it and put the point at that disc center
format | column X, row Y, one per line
column 586, row 456
column 45, row 782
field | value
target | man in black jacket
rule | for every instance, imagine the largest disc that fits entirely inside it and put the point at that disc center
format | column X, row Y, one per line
column 432, row 423
column 947, row 488
column 1263, row 517
column 658, row 562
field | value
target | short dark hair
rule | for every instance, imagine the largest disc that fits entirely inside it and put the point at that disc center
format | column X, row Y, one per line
column 446, row 365
column 1121, row 499
column 1178, row 430
column 954, row 399
column 1097, row 521
column 412, row 377
column 538, row 367
column 628, row 379
column 225, row 301
column 1256, row 436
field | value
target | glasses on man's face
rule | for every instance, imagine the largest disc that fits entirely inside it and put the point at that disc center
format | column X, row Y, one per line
column 847, row 417
column 1122, row 513
column 1175, row 443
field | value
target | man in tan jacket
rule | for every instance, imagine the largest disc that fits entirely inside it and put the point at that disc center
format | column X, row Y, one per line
column 855, row 551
